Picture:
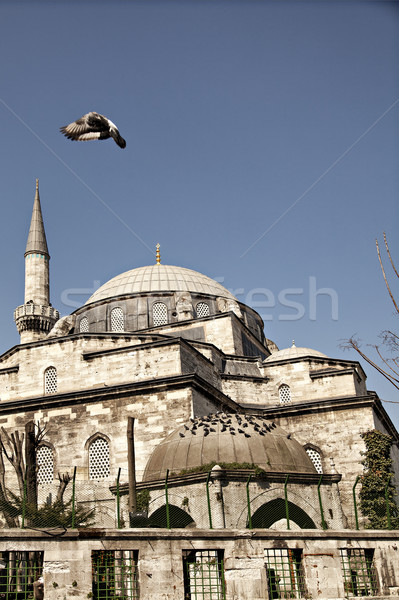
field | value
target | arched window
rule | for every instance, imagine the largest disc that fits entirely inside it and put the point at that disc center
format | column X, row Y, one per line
column 284, row 392
column 99, row 467
column 202, row 309
column 275, row 510
column 315, row 457
column 159, row 314
column 50, row 380
column 117, row 319
column 45, row 464
column 84, row 325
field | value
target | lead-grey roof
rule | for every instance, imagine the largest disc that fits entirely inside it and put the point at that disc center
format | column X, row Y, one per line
column 37, row 242
column 159, row 278
column 228, row 438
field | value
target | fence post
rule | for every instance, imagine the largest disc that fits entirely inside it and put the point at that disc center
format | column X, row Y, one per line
column 24, row 500
column 354, row 501
column 323, row 523
column 118, row 501
column 387, row 504
column 73, row 499
column 208, row 500
column 287, row 512
column 167, row 500
column 249, row 503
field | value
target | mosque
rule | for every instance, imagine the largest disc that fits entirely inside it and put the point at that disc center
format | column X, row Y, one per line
column 213, row 464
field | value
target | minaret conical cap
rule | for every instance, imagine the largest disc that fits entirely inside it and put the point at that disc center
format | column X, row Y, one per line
column 37, row 242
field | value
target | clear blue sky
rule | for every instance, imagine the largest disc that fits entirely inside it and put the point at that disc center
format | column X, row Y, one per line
column 231, row 110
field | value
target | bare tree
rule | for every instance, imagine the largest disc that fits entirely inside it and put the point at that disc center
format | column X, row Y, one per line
column 387, row 366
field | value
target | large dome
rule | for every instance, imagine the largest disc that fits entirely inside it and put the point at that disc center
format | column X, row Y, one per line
column 228, row 438
column 159, row 278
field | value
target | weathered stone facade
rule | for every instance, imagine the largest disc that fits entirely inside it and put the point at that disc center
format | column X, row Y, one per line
column 178, row 353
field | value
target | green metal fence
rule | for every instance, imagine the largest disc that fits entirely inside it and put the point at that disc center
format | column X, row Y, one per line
column 204, row 575
column 18, row 572
column 243, row 503
column 114, row 574
column 285, row 577
column 358, row 570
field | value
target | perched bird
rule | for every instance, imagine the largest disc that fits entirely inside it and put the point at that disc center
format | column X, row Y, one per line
column 93, row 127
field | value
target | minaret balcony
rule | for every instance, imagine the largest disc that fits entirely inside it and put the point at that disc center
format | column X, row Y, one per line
column 35, row 317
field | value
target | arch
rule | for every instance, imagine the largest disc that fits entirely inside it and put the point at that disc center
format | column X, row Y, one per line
column 284, row 392
column 273, row 511
column 99, row 457
column 84, row 325
column 202, row 310
column 50, row 380
column 117, row 319
column 45, row 463
column 159, row 314
column 178, row 517
column 315, row 456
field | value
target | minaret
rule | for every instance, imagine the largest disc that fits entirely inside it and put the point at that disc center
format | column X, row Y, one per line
column 36, row 316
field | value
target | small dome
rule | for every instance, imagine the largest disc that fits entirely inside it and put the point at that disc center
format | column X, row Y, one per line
column 159, row 278
column 293, row 352
column 228, row 438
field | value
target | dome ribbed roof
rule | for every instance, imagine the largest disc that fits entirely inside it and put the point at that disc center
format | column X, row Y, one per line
column 159, row 278
column 226, row 438
column 293, row 352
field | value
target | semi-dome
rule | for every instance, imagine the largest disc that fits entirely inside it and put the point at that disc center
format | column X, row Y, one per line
column 228, row 438
column 292, row 353
column 159, row 278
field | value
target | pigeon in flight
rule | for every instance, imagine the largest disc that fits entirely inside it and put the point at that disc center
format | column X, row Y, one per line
column 93, row 127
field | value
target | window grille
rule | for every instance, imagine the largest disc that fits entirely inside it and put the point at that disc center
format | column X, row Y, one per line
column 50, row 380
column 359, row 573
column 45, row 463
column 315, row 457
column 203, row 575
column 115, row 574
column 285, row 394
column 84, row 325
column 117, row 320
column 284, row 570
column 202, row 309
column 19, row 571
column 159, row 314
column 99, row 459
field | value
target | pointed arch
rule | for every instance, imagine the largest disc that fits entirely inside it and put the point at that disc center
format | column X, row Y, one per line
column 273, row 511
column 98, row 456
column 177, row 516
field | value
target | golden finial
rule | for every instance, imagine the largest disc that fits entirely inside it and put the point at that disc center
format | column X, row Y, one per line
column 37, row 184
column 158, row 255
column 293, row 344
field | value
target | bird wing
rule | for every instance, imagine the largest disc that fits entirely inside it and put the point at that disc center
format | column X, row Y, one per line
column 92, row 122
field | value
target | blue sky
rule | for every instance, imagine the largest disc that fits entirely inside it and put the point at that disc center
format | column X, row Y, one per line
column 244, row 120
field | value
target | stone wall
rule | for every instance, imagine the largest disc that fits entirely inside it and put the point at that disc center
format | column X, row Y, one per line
column 68, row 569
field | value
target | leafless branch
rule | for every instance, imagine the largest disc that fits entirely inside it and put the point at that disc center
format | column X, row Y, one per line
column 385, row 278
column 389, row 254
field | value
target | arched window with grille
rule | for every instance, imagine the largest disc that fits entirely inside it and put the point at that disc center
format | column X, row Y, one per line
column 284, row 392
column 159, row 314
column 84, row 325
column 50, row 380
column 202, row 309
column 99, row 459
column 45, row 464
column 315, row 457
column 117, row 319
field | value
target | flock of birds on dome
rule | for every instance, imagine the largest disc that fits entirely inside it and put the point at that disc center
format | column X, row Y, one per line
column 93, row 126
column 233, row 423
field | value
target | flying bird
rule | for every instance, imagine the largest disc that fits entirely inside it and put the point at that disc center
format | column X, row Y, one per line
column 93, row 127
